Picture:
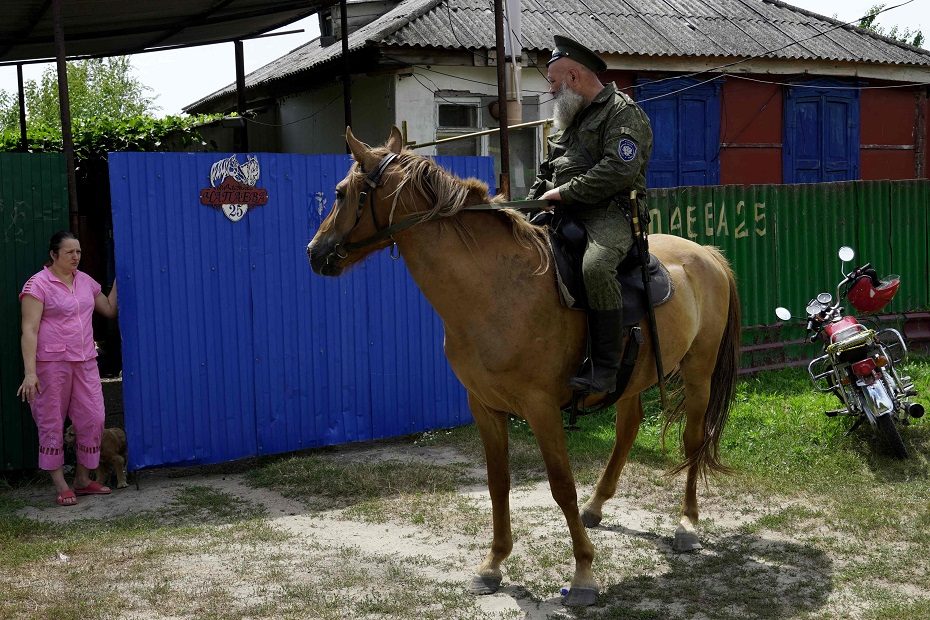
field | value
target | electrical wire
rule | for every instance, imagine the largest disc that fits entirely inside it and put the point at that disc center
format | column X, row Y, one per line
column 814, row 86
column 523, row 41
column 778, row 49
column 299, row 120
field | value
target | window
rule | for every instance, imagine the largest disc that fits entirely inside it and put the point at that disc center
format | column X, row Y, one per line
column 456, row 117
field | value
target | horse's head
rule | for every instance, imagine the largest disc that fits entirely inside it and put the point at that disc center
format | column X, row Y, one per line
column 362, row 211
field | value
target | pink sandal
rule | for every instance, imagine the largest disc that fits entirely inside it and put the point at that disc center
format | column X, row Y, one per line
column 66, row 498
column 94, row 488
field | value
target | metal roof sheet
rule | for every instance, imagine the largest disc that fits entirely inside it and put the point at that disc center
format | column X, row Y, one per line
column 670, row 28
column 113, row 27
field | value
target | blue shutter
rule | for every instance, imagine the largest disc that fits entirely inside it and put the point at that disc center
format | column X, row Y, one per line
column 686, row 132
column 821, row 134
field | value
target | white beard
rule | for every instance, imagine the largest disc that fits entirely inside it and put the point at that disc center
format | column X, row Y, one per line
column 568, row 104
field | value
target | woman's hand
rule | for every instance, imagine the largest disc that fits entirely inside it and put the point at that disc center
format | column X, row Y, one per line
column 30, row 387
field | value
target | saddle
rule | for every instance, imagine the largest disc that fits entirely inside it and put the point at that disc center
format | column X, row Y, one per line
column 567, row 239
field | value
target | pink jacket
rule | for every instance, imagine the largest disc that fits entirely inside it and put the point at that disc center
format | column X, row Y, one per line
column 66, row 333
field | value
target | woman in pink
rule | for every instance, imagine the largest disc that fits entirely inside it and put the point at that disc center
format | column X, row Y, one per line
column 62, row 379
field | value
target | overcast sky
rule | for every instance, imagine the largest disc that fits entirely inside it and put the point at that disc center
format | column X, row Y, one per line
column 180, row 77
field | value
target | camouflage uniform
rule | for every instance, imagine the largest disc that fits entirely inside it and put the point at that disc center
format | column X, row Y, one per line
column 595, row 162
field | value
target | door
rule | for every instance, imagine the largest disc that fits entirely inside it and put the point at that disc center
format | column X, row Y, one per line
column 821, row 133
column 685, row 117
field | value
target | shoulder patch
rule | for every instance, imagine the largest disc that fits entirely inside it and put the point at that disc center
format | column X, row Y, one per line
column 626, row 149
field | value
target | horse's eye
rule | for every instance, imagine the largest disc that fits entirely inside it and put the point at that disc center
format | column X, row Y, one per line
column 340, row 195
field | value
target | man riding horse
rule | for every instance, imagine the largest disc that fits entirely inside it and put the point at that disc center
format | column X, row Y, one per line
column 598, row 156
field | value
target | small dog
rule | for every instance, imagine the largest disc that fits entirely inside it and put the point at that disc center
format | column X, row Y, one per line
column 112, row 455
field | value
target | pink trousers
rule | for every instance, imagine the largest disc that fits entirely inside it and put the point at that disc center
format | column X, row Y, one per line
column 72, row 390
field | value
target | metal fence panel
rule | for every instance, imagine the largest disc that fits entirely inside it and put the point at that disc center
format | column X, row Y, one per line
column 782, row 242
column 232, row 347
column 909, row 225
column 33, row 206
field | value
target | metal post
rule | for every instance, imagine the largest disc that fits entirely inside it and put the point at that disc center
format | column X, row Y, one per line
column 502, row 99
column 64, row 104
column 346, row 75
column 242, row 133
column 920, row 136
column 23, row 137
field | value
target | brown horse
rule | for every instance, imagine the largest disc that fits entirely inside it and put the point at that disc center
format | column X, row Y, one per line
column 514, row 346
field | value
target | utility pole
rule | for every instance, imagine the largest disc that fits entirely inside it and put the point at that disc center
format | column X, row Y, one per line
column 346, row 74
column 502, row 99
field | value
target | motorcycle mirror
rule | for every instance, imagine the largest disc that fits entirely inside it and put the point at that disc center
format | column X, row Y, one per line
column 783, row 313
column 846, row 254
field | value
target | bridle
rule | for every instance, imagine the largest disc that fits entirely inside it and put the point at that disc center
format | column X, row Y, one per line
column 373, row 181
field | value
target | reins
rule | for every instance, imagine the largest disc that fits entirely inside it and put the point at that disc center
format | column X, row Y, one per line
column 373, row 180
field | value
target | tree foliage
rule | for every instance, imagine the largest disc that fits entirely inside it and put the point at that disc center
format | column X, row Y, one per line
column 95, row 137
column 110, row 111
column 97, row 88
column 911, row 37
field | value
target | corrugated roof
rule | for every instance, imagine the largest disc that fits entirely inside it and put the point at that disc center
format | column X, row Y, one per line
column 669, row 28
column 112, row 27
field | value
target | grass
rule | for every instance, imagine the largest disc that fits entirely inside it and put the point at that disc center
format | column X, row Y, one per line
column 813, row 524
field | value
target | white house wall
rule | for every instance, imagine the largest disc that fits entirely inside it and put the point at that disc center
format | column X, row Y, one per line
column 416, row 100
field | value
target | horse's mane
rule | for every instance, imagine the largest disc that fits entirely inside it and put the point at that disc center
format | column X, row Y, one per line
column 450, row 195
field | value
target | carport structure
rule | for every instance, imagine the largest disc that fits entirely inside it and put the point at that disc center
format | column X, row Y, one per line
column 39, row 31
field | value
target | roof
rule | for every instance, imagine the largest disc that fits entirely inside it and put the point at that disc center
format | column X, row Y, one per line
column 114, row 27
column 652, row 28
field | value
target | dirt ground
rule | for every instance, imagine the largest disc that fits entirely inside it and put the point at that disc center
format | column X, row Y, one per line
column 744, row 570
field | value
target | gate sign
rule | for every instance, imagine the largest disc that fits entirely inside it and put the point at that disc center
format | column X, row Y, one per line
column 233, row 187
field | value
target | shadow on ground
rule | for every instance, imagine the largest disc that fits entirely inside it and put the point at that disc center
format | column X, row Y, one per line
column 736, row 576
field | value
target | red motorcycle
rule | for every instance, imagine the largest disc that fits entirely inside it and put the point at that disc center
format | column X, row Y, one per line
column 858, row 364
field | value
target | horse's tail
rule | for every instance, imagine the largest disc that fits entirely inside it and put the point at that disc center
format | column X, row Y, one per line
column 722, row 383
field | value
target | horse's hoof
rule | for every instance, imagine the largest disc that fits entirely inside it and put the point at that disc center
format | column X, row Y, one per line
column 580, row 597
column 685, row 540
column 590, row 519
column 484, row 585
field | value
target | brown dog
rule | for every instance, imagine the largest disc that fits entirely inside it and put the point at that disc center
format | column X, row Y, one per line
column 112, row 455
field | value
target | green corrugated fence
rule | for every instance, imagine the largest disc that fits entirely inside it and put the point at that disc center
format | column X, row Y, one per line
column 33, row 205
column 782, row 242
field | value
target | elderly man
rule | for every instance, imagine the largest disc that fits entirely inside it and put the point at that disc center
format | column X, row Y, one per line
column 597, row 157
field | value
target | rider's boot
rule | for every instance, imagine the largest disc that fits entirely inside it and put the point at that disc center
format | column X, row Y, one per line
column 599, row 372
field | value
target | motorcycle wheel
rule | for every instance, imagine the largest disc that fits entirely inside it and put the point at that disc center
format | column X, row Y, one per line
column 889, row 430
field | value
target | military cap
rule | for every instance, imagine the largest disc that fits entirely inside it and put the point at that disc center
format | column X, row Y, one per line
column 567, row 48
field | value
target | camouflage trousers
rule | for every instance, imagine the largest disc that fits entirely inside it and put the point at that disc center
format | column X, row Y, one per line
column 609, row 240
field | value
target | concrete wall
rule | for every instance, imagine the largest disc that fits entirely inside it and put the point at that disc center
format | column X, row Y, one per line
column 315, row 123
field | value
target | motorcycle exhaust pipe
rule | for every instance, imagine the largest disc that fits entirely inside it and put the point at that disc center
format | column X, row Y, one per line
column 915, row 410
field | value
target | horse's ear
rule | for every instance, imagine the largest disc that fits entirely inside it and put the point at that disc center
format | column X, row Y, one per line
column 395, row 141
column 358, row 148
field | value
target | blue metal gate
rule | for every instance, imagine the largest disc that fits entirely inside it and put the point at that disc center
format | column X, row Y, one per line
column 233, row 348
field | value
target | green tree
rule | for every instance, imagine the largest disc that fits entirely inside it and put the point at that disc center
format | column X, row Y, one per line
column 915, row 37
column 101, row 88
column 9, row 111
